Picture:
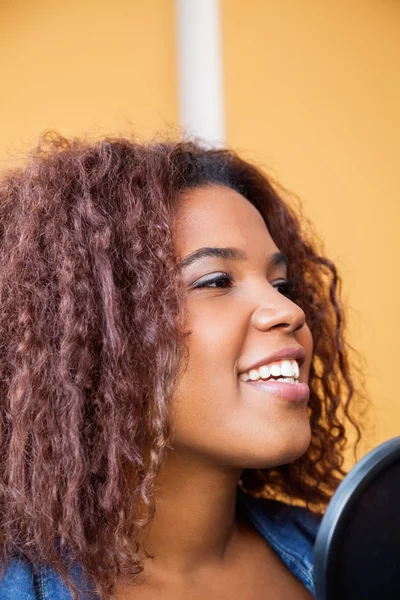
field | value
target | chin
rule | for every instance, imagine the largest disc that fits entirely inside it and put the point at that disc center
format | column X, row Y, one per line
column 295, row 447
column 284, row 448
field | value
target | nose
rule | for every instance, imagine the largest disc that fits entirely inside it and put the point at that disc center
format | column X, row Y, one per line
column 278, row 312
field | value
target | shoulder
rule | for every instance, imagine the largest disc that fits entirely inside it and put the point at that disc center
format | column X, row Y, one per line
column 291, row 531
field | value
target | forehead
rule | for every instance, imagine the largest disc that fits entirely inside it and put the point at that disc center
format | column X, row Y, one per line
column 219, row 216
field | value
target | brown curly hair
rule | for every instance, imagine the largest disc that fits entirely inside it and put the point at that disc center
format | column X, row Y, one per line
column 91, row 346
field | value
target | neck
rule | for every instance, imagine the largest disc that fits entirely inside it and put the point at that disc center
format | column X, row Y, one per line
column 195, row 521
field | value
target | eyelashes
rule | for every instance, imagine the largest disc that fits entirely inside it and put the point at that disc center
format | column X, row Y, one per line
column 215, row 280
column 286, row 288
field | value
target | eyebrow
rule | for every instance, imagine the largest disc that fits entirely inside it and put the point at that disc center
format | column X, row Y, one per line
column 277, row 259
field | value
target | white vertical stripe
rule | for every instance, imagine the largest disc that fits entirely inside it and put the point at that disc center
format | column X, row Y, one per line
column 200, row 69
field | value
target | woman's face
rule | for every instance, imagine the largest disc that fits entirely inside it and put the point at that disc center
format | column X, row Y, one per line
column 238, row 318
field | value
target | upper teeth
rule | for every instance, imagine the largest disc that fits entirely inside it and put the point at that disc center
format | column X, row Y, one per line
column 285, row 368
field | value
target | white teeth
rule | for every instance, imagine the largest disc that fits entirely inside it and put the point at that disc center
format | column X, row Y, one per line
column 276, row 370
column 254, row 374
column 287, row 380
column 296, row 370
column 265, row 372
column 287, row 368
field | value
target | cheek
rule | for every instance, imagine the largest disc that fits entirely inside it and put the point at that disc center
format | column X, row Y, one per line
column 208, row 389
column 214, row 344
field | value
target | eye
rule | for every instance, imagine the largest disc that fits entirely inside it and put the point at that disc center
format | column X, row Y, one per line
column 223, row 281
column 220, row 281
column 286, row 288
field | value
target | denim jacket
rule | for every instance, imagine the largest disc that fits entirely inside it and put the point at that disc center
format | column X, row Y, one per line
column 289, row 530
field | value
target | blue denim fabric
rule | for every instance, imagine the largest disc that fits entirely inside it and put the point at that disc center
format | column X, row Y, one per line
column 23, row 581
column 289, row 530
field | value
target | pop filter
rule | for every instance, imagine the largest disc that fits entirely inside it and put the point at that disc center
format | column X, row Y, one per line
column 357, row 550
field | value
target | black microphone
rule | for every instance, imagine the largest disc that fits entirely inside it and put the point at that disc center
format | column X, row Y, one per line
column 357, row 550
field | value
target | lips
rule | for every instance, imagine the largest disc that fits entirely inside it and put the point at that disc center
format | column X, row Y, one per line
column 286, row 391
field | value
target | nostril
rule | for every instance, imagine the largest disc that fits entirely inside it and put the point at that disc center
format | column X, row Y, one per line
column 285, row 325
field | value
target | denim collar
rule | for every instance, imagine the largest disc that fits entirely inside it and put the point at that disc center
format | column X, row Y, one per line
column 289, row 530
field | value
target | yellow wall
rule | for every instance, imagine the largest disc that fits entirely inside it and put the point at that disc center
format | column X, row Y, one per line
column 85, row 66
column 312, row 91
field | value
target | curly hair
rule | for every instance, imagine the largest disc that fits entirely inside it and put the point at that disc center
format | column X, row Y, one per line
column 91, row 346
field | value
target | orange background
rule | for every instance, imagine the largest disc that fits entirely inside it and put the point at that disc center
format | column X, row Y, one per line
column 312, row 92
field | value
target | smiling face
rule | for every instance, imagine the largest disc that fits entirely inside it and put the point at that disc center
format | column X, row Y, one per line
column 238, row 314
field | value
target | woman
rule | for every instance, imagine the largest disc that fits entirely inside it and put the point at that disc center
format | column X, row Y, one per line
column 174, row 377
